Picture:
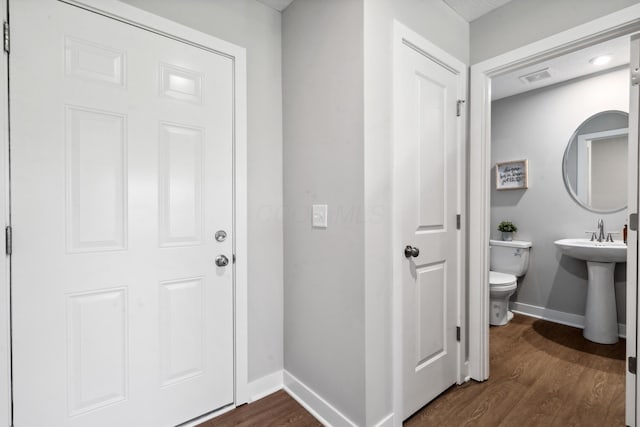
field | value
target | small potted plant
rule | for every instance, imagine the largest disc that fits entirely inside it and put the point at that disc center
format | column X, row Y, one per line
column 507, row 228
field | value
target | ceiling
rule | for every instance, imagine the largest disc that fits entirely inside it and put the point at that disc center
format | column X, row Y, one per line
column 473, row 9
column 557, row 70
column 278, row 5
column 468, row 9
column 563, row 68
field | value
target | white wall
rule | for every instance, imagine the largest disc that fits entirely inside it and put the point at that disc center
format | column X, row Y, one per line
column 256, row 27
column 338, row 281
column 323, row 164
column 538, row 125
column 521, row 22
column 435, row 21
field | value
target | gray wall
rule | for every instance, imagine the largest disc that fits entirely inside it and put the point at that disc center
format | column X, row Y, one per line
column 337, row 150
column 256, row 27
column 537, row 126
column 333, row 322
column 436, row 22
column 521, row 22
column 323, row 164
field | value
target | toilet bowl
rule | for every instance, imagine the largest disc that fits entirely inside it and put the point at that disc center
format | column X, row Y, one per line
column 501, row 287
column 509, row 260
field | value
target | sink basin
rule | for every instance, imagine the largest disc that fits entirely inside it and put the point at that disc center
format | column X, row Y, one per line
column 600, row 318
column 587, row 250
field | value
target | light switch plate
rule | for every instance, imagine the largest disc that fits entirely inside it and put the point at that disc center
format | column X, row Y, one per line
column 319, row 216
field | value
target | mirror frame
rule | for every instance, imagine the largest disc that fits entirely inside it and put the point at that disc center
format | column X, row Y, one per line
column 565, row 175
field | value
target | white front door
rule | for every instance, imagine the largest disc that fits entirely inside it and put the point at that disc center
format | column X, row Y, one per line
column 121, row 167
column 428, row 191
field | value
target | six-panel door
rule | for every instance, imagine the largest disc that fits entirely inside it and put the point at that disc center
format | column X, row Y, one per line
column 121, row 158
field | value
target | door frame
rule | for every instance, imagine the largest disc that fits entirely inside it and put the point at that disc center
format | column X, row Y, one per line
column 617, row 24
column 631, row 386
column 5, row 220
column 144, row 20
column 404, row 37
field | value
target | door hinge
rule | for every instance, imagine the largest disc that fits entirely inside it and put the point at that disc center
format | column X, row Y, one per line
column 458, row 220
column 8, row 240
column 458, row 333
column 633, row 365
column 5, row 28
column 633, row 221
column 635, row 76
column 459, row 107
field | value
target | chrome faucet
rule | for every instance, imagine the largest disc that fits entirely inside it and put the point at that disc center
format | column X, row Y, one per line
column 600, row 230
column 598, row 236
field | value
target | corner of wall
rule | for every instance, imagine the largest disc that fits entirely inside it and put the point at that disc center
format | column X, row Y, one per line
column 265, row 386
column 323, row 164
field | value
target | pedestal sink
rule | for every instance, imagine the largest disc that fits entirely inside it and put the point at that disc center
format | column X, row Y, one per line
column 600, row 318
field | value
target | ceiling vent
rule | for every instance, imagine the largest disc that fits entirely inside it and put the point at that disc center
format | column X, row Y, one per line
column 536, row 76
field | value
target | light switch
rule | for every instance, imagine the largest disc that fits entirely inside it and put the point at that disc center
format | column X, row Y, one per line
column 319, row 214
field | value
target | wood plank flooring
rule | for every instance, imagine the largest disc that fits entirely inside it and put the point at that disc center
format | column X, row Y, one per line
column 277, row 409
column 542, row 374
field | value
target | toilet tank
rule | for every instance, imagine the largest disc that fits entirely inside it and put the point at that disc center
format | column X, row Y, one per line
column 509, row 257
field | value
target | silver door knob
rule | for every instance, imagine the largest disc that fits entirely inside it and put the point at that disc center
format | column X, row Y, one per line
column 222, row 261
column 221, row 235
column 411, row 251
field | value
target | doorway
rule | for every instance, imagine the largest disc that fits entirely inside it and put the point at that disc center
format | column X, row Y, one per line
column 607, row 28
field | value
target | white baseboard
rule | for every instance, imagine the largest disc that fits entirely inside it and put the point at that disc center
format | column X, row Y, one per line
column 265, row 386
column 386, row 421
column 622, row 331
column 569, row 319
column 314, row 403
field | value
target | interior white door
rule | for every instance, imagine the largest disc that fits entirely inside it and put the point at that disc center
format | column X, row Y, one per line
column 428, row 198
column 121, row 158
column 631, row 390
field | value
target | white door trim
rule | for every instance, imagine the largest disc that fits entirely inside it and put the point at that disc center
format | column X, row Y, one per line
column 625, row 21
column 632, row 240
column 237, row 54
column 402, row 35
column 5, row 220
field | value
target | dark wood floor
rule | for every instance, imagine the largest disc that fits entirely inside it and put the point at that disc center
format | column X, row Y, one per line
column 277, row 409
column 542, row 374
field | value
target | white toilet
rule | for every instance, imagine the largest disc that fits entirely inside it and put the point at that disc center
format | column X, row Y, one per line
column 509, row 260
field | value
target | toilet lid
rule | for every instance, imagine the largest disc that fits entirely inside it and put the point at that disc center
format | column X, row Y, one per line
column 501, row 279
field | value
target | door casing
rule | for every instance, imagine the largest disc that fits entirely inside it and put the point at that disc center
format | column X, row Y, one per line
column 149, row 22
column 631, row 395
column 617, row 24
column 5, row 220
column 402, row 36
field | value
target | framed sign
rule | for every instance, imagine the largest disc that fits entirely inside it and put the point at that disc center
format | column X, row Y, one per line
column 512, row 175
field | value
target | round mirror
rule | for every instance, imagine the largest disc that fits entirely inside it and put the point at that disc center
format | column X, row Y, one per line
column 595, row 162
